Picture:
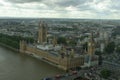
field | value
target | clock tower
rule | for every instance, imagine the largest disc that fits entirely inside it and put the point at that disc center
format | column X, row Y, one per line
column 91, row 45
column 42, row 33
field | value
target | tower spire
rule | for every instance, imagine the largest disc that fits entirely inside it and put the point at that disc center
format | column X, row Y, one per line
column 42, row 32
column 91, row 45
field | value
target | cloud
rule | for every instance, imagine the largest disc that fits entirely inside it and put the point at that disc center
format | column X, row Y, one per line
column 71, row 2
column 22, row 1
column 35, row 6
column 61, row 8
column 52, row 3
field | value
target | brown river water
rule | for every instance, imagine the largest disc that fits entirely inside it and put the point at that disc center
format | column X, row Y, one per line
column 17, row 66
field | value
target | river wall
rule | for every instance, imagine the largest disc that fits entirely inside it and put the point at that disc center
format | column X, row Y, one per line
column 9, row 47
column 63, row 63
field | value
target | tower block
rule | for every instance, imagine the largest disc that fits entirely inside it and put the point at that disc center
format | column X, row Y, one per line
column 42, row 33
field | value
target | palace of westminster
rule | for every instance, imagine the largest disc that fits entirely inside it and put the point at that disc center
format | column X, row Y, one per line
column 65, row 58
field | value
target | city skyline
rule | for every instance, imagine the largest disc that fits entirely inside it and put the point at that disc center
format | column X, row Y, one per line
column 85, row 9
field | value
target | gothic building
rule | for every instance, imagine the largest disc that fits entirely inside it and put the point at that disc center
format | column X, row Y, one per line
column 90, row 58
column 64, row 58
column 91, row 45
column 42, row 33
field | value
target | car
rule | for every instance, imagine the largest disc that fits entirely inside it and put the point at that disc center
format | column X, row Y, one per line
column 58, row 76
column 80, row 78
column 66, row 74
column 74, row 72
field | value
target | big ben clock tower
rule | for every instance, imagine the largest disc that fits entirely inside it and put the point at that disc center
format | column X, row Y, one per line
column 91, row 45
column 89, row 58
column 42, row 33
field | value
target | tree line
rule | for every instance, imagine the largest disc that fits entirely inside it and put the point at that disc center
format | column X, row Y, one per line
column 13, row 41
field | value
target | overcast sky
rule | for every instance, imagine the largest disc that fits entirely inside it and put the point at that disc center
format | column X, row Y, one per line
column 96, row 9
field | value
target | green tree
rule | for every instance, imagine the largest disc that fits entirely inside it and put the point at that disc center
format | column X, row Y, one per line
column 13, row 41
column 110, row 47
column 105, row 73
column 98, row 53
column 61, row 40
column 72, row 43
column 118, row 49
column 85, row 46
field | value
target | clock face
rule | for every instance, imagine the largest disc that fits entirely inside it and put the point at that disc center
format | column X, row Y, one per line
column 92, row 44
column 40, row 24
column 89, row 44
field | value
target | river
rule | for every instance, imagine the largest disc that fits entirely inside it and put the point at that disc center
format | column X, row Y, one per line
column 17, row 66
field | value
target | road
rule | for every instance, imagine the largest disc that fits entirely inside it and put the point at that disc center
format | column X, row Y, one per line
column 111, row 65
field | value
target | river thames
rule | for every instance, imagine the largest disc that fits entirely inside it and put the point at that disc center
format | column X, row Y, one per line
column 17, row 66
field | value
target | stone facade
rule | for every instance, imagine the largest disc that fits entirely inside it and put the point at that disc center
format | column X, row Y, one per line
column 63, row 63
column 42, row 33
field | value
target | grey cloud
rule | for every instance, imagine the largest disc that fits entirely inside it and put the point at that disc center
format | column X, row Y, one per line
column 115, row 5
column 23, row 1
column 57, row 5
column 1, row 4
column 38, row 7
column 67, row 3
column 60, row 7
column 62, row 3
column 71, row 2
column 84, row 7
